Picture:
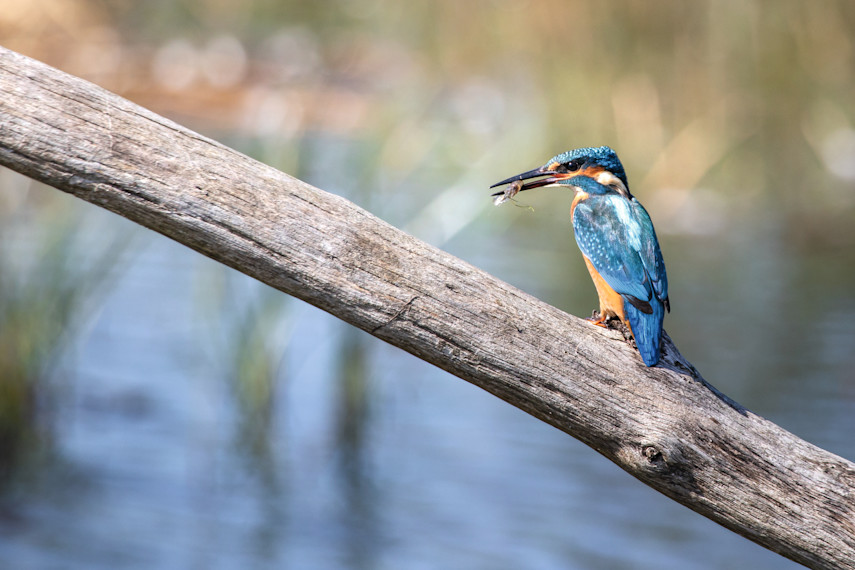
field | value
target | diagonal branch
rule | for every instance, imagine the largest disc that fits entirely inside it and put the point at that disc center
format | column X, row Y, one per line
column 665, row 425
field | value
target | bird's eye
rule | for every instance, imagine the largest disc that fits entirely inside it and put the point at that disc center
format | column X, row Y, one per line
column 572, row 166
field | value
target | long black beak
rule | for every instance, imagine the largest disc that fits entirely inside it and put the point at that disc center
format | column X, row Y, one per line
column 551, row 178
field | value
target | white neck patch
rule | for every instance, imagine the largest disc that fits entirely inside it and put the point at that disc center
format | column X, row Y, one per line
column 606, row 178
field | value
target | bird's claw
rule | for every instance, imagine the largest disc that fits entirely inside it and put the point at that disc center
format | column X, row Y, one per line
column 597, row 319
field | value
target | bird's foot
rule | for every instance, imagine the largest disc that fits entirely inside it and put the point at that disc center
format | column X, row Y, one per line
column 612, row 323
column 600, row 320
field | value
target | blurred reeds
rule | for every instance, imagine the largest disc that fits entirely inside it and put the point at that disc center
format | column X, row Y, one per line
column 54, row 262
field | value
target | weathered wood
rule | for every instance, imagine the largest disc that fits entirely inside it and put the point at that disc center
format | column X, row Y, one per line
column 666, row 425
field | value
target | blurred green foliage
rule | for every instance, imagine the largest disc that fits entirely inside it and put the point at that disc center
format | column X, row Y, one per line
column 752, row 99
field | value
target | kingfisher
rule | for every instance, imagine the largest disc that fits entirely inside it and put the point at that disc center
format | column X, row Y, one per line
column 616, row 237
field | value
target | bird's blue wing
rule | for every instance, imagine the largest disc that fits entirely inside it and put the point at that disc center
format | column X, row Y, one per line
column 650, row 253
column 609, row 234
column 617, row 235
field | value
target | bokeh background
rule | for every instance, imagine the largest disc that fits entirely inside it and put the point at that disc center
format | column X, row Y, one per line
column 158, row 410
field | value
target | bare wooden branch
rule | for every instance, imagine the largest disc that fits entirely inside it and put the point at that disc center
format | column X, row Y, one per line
column 666, row 425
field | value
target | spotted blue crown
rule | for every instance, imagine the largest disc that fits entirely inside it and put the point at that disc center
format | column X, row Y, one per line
column 603, row 155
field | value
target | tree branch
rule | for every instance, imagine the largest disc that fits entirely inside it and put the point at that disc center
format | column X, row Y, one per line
column 665, row 425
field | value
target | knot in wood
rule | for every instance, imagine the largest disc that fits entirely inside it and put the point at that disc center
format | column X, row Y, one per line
column 665, row 460
column 652, row 454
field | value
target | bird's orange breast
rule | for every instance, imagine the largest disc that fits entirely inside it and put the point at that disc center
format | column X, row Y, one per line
column 611, row 303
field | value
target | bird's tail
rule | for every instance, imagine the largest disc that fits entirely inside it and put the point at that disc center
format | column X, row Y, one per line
column 647, row 329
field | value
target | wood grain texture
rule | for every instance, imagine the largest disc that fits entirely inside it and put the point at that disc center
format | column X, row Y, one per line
column 666, row 425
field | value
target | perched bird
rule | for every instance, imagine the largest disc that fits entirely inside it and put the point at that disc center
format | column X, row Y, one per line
column 616, row 237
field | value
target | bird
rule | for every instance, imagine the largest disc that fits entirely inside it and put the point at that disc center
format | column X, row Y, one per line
column 616, row 237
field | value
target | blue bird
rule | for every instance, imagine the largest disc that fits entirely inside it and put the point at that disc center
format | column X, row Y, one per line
column 616, row 237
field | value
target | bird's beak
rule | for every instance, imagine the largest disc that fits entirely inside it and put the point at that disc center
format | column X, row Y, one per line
column 551, row 177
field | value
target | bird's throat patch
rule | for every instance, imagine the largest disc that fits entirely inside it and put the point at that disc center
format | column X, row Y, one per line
column 580, row 196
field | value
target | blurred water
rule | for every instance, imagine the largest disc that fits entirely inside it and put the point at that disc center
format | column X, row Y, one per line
column 377, row 460
column 196, row 419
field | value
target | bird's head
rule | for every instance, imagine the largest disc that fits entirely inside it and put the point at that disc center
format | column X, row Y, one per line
column 593, row 170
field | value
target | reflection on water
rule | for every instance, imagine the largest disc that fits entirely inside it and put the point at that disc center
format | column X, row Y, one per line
column 176, row 414
column 347, row 453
